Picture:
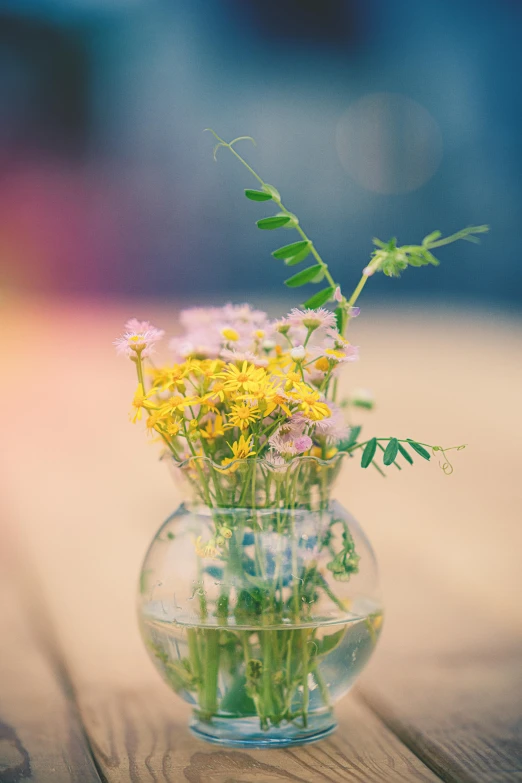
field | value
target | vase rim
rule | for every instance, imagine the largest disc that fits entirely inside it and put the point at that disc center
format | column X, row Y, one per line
column 300, row 459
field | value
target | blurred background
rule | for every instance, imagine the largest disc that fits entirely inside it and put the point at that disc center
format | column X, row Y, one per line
column 372, row 118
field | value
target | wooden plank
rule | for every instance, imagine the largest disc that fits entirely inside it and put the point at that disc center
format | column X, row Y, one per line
column 141, row 734
column 447, row 677
column 460, row 714
column 41, row 738
column 449, row 550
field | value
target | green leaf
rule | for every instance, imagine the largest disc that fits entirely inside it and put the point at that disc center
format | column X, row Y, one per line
column 368, row 453
column 306, row 276
column 430, row 258
column 419, row 449
column 236, row 700
column 320, row 298
column 351, row 440
column 257, row 195
column 431, row 237
column 367, row 405
column 390, row 452
column 293, row 220
column 288, row 251
column 328, row 643
column 405, row 454
column 272, row 192
column 270, row 223
column 340, row 317
column 298, row 257
column 378, row 469
column 379, row 243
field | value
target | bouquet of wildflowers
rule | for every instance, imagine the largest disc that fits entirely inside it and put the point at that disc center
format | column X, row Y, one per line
column 248, row 411
column 242, row 386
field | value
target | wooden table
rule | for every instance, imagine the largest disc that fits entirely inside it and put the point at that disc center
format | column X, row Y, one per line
column 82, row 494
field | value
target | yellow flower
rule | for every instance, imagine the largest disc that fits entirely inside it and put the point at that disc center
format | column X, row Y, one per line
column 334, row 355
column 241, row 449
column 279, row 361
column 242, row 415
column 322, row 364
column 209, row 367
column 205, row 550
column 215, row 394
column 292, row 378
column 152, row 423
column 176, row 404
column 169, row 378
column 317, row 451
column 139, row 401
column 230, row 334
column 242, row 379
column 213, row 430
column 171, row 428
column 268, row 397
column 310, row 402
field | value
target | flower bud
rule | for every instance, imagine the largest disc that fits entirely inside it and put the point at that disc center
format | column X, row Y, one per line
column 298, row 353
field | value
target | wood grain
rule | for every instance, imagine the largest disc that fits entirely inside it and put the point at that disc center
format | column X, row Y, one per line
column 142, row 735
column 443, row 680
column 41, row 737
column 459, row 713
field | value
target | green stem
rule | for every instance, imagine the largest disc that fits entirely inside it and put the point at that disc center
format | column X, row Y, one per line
column 318, row 677
column 195, row 661
column 354, row 297
column 209, row 702
column 139, row 370
column 281, row 206
column 266, row 646
column 306, row 694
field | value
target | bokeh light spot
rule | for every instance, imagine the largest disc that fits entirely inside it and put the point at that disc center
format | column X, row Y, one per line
column 389, row 143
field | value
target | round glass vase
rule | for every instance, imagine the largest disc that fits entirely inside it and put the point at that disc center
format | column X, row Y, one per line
column 259, row 600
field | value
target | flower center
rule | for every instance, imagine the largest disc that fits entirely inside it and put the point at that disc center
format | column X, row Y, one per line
column 230, row 334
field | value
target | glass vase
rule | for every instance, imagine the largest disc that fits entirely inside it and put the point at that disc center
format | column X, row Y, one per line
column 259, row 600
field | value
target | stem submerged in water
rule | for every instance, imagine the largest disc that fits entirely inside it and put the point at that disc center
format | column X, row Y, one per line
column 208, row 706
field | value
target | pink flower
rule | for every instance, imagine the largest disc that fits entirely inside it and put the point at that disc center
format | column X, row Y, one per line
column 198, row 317
column 334, row 427
column 133, row 325
column 282, row 325
column 303, row 443
column 312, row 319
column 209, row 330
column 139, row 339
column 198, row 345
column 337, row 294
column 243, row 356
column 344, row 353
column 243, row 314
column 289, row 439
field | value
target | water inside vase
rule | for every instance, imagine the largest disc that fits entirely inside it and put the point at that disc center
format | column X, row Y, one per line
column 280, row 675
